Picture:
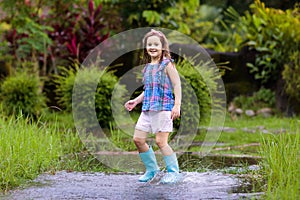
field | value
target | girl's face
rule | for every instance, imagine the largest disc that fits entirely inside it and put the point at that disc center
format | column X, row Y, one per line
column 154, row 47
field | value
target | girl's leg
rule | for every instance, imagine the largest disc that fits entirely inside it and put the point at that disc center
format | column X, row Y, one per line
column 139, row 139
column 170, row 159
column 162, row 142
column 146, row 154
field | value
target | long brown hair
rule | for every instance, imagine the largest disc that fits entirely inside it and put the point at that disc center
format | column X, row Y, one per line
column 165, row 46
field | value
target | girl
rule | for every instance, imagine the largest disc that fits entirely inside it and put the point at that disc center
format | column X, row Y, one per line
column 159, row 108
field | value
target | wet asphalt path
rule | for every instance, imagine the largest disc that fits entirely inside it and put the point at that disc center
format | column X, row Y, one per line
column 88, row 186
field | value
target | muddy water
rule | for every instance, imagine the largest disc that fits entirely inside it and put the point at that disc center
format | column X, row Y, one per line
column 76, row 185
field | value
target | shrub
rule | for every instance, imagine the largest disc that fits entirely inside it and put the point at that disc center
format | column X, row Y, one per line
column 262, row 98
column 197, row 81
column 21, row 93
column 271, row 33
column 87, row 93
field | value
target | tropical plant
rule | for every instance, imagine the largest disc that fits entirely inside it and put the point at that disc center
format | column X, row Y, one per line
column 76, row 31
column 5, row 58
column 89, row 33
column 27, row 37
column 132, row 12
column 50, row 33
column 272, row 33
column 226, row 35
column 187, row 17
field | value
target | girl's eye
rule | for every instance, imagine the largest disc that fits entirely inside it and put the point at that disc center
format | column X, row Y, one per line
column 149, row 45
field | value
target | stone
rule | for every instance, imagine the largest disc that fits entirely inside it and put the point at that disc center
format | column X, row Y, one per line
column 266, row 112
column 250, row 113
column 229, row 129
column 249, row 130
column 239, row 111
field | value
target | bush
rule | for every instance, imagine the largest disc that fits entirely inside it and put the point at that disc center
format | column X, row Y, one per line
column 87, row 93
column 271, row 33
column 197, row 81
column 260, row 99
column 21, row 93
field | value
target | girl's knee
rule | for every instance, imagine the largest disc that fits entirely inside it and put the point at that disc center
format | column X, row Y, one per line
column 161, row 139
column 139, row 141
column 161, row 143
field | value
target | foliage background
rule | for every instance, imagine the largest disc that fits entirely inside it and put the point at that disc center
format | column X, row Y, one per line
column 47, row 36
column 48, row 40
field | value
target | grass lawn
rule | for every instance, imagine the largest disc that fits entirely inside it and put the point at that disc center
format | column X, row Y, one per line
column 51, row 144
column 244, row 135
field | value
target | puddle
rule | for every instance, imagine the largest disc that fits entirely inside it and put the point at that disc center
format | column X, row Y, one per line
column 77, row 185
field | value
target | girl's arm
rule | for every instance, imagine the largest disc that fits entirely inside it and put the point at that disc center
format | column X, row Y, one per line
column 140, row 98
column 129, row 105
column 175, row 79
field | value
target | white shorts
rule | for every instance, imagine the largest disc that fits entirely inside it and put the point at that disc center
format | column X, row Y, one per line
column 155, row 121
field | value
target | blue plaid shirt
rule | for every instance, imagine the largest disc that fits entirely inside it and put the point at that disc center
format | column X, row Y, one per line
column 158, row 95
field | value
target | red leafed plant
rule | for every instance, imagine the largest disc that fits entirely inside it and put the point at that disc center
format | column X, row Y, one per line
column 89, row 33
column 77, row 30
column 70, row 30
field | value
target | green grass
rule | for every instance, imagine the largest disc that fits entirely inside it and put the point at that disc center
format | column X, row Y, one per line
column 26, row 149
column 248, row 130
column 51, row 143
column 270, row 123
column 122, row 140
column 29, row 148
column 281, row 164
column 279, row 149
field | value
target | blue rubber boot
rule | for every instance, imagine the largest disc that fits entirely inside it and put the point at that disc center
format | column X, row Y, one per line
column 173, row 175
column 150, row 163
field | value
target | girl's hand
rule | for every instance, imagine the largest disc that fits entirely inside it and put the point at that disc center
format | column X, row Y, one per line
column 175, row 112
column 129, row 105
